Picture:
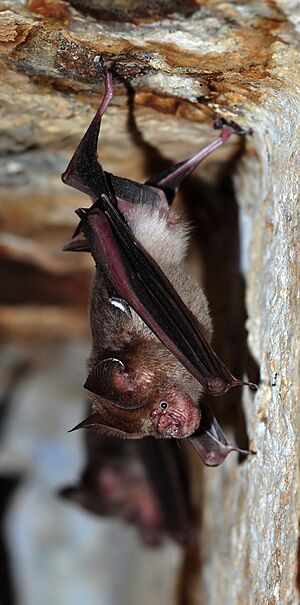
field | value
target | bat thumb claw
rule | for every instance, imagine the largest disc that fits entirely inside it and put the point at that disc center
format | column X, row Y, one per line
column 252, row 385
column 77, row 245
column 244, row 452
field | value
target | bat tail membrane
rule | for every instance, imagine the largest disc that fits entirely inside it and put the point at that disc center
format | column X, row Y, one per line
column 170, row 179
column 84, row 171
column 210, row 442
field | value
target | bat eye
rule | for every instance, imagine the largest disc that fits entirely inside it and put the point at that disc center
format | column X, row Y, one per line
column 164, row 405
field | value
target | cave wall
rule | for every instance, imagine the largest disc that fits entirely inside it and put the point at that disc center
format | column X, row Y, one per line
column 176, row 69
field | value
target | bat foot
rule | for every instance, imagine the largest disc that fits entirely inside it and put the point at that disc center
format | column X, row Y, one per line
column 252, row 385
column 222, row 122
column 105, row 64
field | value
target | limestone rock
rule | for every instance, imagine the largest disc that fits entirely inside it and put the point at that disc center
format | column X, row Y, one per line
column 176, row 68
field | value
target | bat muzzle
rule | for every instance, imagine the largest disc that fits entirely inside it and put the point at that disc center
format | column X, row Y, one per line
column 176, row 424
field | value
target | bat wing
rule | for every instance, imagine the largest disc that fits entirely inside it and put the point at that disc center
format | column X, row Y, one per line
column 85, row 172
column 138, row 280
column 134, row 193
column 105, row 423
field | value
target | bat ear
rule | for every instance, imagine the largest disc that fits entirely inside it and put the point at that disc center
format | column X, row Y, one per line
column 80, row 495
column 110, row 380
column 99, row 422
column 210, row 442
column 87, row 423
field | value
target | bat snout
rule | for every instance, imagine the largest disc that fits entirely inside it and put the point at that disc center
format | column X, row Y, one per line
column 177, row 423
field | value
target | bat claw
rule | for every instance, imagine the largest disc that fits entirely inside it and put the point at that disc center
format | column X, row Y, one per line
column 252, row 385
column 77, row 245
column 244, row 452
column 82, row 212
column 223, row 122
column 105, row 64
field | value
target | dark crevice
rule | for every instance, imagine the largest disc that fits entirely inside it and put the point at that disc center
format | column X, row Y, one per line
column 154, row 161
column 136, row 11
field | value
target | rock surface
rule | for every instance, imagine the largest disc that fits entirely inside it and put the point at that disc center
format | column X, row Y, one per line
column 174, row 73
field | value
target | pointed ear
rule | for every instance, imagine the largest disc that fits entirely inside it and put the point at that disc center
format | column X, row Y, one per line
column 103, row 426
column 75, row 493
column 80, row 495
column 110, row 380
column 86, row 499
column 87, row 423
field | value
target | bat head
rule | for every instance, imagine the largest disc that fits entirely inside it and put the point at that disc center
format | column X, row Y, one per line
column 145, row 394
column 174, row 415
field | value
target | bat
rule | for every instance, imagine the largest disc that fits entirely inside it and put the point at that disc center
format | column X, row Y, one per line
column 151, row 358
column 144, row 482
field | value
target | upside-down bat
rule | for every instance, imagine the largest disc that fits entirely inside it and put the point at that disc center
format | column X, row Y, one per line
column 151, row 358
column 142, row 481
